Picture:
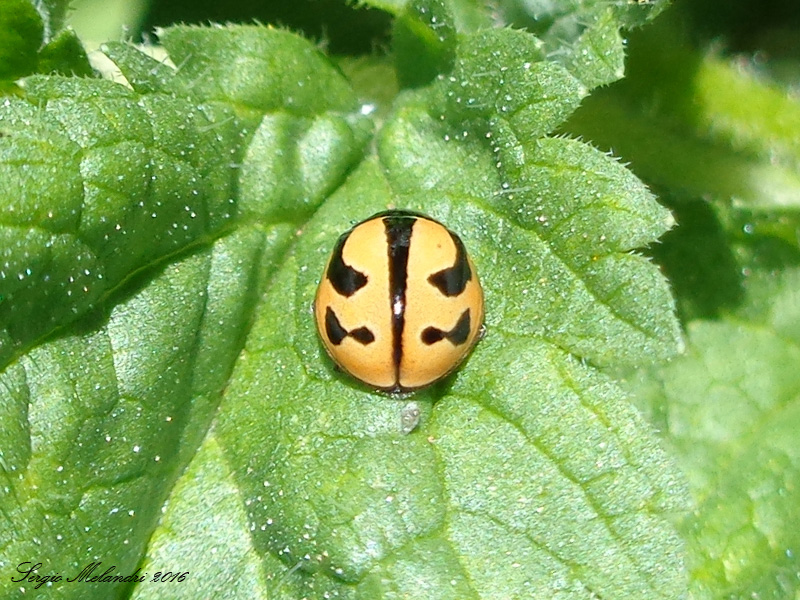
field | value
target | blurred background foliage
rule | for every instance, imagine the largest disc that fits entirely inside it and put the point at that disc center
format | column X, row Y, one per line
column 343, row 28
column 766, row 28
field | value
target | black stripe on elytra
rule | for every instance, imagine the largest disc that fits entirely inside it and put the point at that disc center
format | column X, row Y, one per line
column 344, row 278
column 458, row 334
column 452, row 280
column 336, row 333
column 398, row 237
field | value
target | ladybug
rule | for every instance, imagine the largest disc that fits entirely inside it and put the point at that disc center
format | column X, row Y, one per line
column 399, row 305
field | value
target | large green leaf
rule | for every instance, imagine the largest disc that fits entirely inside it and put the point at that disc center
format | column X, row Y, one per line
column 173, row 234
column 95, row 423
column 331, row 483
column 101, row 181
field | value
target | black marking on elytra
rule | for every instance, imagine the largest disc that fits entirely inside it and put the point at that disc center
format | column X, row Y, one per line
column 431, row 335
column 363, row 335
column 336, row 333
column 344, row 278
column 398, row 237
column 333, row 328
column 457, row 335
column 453, row 280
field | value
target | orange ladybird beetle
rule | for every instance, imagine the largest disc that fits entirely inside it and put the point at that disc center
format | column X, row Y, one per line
column 399, row 305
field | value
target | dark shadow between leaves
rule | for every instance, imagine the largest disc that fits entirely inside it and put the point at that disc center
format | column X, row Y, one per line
column 697, row 258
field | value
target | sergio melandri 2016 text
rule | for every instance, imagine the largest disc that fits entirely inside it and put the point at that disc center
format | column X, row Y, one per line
column 28, row 572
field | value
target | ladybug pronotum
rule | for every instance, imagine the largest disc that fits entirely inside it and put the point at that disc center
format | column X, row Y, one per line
column 399, row 305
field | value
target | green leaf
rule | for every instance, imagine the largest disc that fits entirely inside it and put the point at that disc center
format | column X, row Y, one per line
column 293, row 163
column 500, row 77
column 423, row 42
column 500, row 459
column 569, row 18
column 64, row 54
column 584, row 37
column 100, row 184
column 251, row 69
column 231, row 568
column 731, row 409
column 374, row 80
column 571, row 494
column 256, row 70
column 576, row 212
column 32, row 41
column 529, row 474
column 21, row 34
column 597, row 56
column 143, row 73
column 103, row 181
column 467, row 15
column 97, row 423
